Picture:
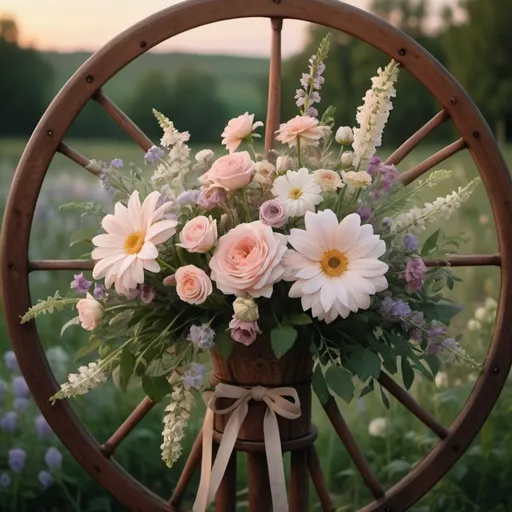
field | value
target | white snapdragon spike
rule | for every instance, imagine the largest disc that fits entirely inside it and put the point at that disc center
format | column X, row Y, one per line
column 129, row 245
column 299, row 191
column 335, row 265
column 417, row 219
column 175, row 423
column 88, row 377
column 373, row 115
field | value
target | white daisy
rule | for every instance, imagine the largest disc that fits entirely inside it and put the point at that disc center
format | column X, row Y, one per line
column 129, row 246
column 298, row 191
column 335, row 265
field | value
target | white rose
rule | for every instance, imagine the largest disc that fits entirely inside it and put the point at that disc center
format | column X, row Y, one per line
column 481, row 314
column 378, row 427
column 328, row 180
column 284, row 163
column 204, row 155
column 347, row 158
column 359, row 179
column 90, row 312
column 265, row 173
column 344, row 135
column 246, row 309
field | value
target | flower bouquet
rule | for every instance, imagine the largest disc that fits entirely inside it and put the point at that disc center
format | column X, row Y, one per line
column 302, row 267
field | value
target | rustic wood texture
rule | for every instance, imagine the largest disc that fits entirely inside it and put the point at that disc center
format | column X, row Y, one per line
column 60, row 265
column 259, row 488
column 225, row 499
column 76, row 157
column 466, row 260
column 113, row 57
column 317, row 476
column 299, row 481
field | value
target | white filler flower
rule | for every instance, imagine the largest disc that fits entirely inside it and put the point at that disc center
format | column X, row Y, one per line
column 299, row 191
column 129, row 246
column 335, row 265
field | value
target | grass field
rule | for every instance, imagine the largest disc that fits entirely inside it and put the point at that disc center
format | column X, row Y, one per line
column 391, row 455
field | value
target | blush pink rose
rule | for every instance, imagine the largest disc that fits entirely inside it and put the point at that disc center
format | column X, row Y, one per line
column 304, row 127
column 237, row 130
column 247, row 260
column 229, row 172
column 244, row 332
column 199, row 234
column 192, row 284
column 90, row 312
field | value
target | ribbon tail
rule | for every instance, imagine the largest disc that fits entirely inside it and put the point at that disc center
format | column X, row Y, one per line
column 201, row 504
column 275, row 462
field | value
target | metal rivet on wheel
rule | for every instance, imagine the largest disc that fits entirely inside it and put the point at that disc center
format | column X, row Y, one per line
column 49, row 133
column 496, row 370
column 453, row 101
column 402, row 51
column 89, row 79
column 12, row 266
column 143, row 44
column 476, row 134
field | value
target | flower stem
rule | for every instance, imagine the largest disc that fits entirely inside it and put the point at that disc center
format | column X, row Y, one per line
column 165, row 265
column 245, row 205
column 67, row 493
column 298, row 153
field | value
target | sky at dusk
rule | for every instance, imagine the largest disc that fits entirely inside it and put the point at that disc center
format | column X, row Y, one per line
column 78, row 25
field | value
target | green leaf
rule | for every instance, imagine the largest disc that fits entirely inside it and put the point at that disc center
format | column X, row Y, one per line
column 388, row 357
column 299, row 319
column 367, row 389
column 156, row 387
column 443, row 311
column 319, row 386
column 398, row 466
column 407, row 372
column 365, row 362
column 224, row 344
column 384, row 397
column 126, row 367
column 430, row 243
column 282, row 339
column 94, row 343
column 340, row 381
column 433, row 363
column 73, row 321
column 84, row 235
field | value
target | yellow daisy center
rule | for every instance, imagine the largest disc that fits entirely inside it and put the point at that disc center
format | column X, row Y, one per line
column 134, row 242
column 295, row 193
column 334, row 263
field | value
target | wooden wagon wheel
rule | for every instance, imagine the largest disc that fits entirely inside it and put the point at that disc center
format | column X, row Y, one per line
column 86, row 84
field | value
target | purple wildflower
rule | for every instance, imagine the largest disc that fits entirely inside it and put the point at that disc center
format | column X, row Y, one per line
column 45, row 479
column 410, row 243
column 210, row 198
column 188, row 197
column 11, row 361
column 365, row 212
column 21, row 404
column 9, row 421
column 117, row 163
column 435, row 332
column 373, row 166
column 201, row 335
column 394, row 309
column 53, row 458
column 17, row 459
column 5, row 480
column 43, row 430
column 154, row 154
column 99, row 291
column 414, row 275
column 80, row 283
column 20, row 387
column 194, row 376
column 147, row 294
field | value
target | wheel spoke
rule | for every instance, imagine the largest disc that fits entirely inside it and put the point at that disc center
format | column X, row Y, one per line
column 60, row 265
column 77, row 158
column 315, row 470
column 408, row 401
column 123, row 120
column 225, row 500
column 128, row 425
column 414, row 173
column 335, row 417
column 274, row 86
column 469, row 260
column 415, row 139
column 191, row 465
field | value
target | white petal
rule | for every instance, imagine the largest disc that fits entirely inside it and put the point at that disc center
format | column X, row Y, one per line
column 126, row 264
column 151, row 265
column 309, row 272
column 105, row 252
column 114, row 226
column 148, row 252
column 102, row 266
column 368, row 267
column 301, row 242
column 347, row 232
column 135, row 212
column 113, row 241
column 137, row 271
column 327, row 296
column 296, row 289
column 148, row 208
column 380, row 283
column 367, row 247
column 122, row 217
column 161, row 231
column 314, row 284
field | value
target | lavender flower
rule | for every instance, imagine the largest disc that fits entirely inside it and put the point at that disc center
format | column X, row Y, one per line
column 414, row 275
column 147, row 294
column 43, row 430
column 5, row 480
column 365, row 212
column 20, row 387
column 210, row 198
column 394, row 310
column 11, row 361
column 45, row 479
column 99, row 291
column 154, row 154
column 21, row 404
column 80, row 283
column 17, row 459
column 53, row 458
column 194, row 376
column 201, row 335
column 273, row 213
column 9, row 421
column 373, row 166
column 410, row 243
column 117, row 163
column 435, row 332
column 188, row 197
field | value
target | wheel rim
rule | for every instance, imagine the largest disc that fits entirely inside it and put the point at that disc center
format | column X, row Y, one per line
column 117, row 54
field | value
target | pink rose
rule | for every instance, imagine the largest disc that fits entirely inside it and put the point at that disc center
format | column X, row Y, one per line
column 229, row 172
column 247, row 260
column 192, row 284
column 237, row 130
column 273, row 213
column 211, row 197
column 199, row 234
column 90, row 312
column 304, row 127
column 244, row 332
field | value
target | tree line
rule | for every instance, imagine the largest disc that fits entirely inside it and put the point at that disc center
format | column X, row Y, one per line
column 477, row 50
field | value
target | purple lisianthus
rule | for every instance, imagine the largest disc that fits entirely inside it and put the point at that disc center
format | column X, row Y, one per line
column 273, row 213
column 53, row 458
column 410, row 243
column 5, row 480
column 201, row 335
column 99, row 291
column 9, row 421
column 21, row 404
column 147, row 294
column 414, row 275
column 188, row 197
column 394, row 309
column 117, row 163
column 20, row 387
column 244, row 332
column 211, row 198
column 43, row 430
column 45, row 479
column 17, row 459
column 435, row 332
column 10, row 360
column 194, row 376
column 80, row 283
column 365, row 212
column 373, row 166
column 154, row 154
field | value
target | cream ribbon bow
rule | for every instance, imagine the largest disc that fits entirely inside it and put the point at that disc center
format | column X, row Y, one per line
column 276, row 404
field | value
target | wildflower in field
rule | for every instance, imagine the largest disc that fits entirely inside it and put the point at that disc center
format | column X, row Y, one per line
column 202, row 336
column 45, row 479
column 5, row 480
column 53, row 458
column 20, row 387
column 378, row 427
column 80, row 283
column 9, row 421
column 394, row 310
column 117, row 163
column 17, row 459
column 154, row 154
column 11, row 361
column 21, row 404
column 43, row 430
